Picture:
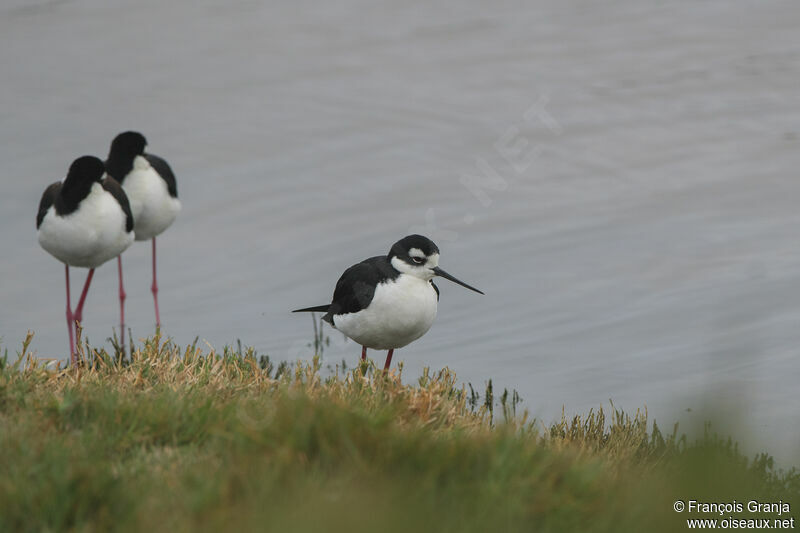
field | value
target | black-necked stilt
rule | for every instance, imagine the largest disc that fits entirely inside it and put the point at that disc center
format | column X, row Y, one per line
column 151, row 188
column 83, row 222
column 388, row 301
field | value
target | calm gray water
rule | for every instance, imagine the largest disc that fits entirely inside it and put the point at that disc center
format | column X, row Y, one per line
column 621, row 181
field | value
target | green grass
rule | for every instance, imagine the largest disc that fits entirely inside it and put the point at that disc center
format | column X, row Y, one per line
column 178, row 440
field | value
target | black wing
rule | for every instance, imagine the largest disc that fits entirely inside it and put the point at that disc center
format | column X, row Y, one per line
column 112, row 186
column 356, row 287
column 162, row 167
column 48, row 198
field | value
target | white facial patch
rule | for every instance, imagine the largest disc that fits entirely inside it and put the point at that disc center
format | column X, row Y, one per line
column 423, row 271
column 427, row 261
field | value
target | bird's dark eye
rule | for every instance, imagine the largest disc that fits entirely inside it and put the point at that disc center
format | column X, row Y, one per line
column 418, row 260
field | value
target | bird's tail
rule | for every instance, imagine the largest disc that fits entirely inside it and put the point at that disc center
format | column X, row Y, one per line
column 315, row 309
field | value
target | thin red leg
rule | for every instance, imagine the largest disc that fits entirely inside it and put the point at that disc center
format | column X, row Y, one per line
column 154, row 286
column 388, row 360
column 78, row 316
column 363, row 353
column 70, row 321
column 122, row 296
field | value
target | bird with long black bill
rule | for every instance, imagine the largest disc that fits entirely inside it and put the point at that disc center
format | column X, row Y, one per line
column 83, row 222
column 152, row 190
column 388, row 301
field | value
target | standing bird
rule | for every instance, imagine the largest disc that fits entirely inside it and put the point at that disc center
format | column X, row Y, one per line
column 388, row 301
column 150, row 185
column 83, row 222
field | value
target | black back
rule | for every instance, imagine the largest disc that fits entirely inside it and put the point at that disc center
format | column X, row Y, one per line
column 66, row 196
column 48, row 199
column 165, row 172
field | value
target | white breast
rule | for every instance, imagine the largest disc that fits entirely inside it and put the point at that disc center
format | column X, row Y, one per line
column 90, row 235
column 401, row 311
column 151, row 204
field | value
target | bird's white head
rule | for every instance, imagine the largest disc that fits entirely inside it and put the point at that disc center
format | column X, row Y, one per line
column 418, row 256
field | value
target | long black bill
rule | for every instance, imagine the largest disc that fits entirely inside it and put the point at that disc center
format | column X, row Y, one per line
column 439, row 272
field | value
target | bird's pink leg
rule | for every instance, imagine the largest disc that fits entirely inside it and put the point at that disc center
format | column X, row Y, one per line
column 154, row 286
column 78, row 316
column 363, row 363
column 122, row 296
column 70, row 321
column 388, row 360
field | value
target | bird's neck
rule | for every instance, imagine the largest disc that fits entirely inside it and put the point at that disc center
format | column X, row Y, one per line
column 119, row 165
column 73, row 191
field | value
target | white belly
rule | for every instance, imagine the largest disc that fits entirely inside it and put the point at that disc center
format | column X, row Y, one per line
column 401, row 311
column 89, row 236
column 151, row 204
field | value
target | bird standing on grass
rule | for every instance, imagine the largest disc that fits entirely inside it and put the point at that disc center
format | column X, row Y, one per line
column 388, row 301
column 153, row 193
column 83, row 222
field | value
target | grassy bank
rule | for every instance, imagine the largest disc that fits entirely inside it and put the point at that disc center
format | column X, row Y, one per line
column 180, row 440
